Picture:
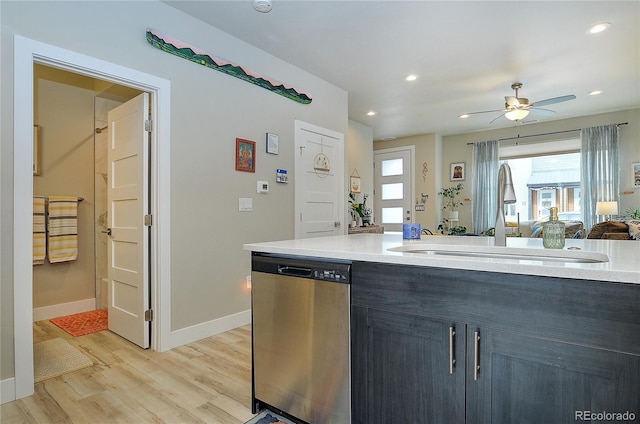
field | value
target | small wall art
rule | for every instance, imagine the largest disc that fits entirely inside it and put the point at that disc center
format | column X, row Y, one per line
column 635, row 175
column 245, row 155
column 272, row 143
column 458, row 171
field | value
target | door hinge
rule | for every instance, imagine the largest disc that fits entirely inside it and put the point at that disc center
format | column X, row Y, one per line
column 148, row 220
column 148, row 315
column 148, row 125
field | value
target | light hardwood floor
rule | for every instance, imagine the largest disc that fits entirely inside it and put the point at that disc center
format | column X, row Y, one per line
column 208, row 381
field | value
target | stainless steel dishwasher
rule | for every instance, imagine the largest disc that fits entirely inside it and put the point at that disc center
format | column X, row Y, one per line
column 300, row 338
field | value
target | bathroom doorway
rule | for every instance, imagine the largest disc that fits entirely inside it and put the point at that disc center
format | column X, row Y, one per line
column 27, row 53
column 71, row 116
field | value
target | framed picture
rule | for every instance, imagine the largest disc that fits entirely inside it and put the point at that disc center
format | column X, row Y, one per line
column 355, row 184
column 272, row 143
column 635, row 175
column 457, row 172
column 36, row 150
column 245, row 155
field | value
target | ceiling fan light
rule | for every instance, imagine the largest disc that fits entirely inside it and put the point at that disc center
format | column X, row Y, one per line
column 516, row 114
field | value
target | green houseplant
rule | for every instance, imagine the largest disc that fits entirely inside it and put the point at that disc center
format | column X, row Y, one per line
column 632, row 213
column 450, row 195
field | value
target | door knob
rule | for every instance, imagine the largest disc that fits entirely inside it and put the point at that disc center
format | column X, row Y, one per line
column 108, row 232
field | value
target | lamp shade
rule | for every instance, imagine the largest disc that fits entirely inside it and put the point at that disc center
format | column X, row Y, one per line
column 516, row 114
column 607, row 208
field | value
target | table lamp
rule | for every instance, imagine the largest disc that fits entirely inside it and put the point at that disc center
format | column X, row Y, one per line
column 607, row 209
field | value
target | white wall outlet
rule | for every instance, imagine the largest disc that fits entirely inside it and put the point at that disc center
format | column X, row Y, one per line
column 245, row 204
column 263, row 187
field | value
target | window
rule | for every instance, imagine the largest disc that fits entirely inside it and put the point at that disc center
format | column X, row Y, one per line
column 543, row 180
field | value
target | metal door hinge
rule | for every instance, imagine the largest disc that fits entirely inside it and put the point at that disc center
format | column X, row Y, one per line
column 148, row 315
column 148, row 220
column 148, row 125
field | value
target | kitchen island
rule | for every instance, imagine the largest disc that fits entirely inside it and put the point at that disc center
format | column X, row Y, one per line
column 485, row 334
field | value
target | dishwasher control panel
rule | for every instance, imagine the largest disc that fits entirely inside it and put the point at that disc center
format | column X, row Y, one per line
column 331, row 275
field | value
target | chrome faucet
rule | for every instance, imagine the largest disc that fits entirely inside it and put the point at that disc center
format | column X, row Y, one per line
column 506, row 195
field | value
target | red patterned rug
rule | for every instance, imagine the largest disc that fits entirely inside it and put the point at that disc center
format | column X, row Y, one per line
column 83, row 323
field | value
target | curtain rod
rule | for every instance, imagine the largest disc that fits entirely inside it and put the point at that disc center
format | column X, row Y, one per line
column 538, row 135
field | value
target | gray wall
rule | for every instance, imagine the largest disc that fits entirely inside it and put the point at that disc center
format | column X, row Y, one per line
column 360, row 159
column 209, row 110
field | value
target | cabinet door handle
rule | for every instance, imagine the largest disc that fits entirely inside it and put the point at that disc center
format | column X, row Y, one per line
column 476, row 354
column 452, row 356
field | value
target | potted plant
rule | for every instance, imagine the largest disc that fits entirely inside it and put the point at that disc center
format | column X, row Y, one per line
column 450, row 196
column 359, row 210
column 632, row 213
column 451, row 203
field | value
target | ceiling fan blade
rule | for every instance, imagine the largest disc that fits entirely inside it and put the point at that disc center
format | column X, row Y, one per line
column 496, row 118
column 553, row 100
column 541, row 112
column 485, row 111
column 511, row 101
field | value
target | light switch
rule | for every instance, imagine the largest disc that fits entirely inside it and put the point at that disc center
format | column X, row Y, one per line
column 245, row 204
column 263, row 187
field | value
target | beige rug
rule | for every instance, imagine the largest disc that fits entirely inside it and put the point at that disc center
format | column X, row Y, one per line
column 55, row 357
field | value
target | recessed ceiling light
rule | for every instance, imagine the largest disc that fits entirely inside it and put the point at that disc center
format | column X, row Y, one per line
column 371, row 113
column 464, row 116
column 411, row 77
column 595, row 92
column 597, row 28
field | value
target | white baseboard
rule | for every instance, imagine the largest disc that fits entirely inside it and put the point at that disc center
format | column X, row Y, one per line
column 7, row 390
column 62, row 309
column 210, row 328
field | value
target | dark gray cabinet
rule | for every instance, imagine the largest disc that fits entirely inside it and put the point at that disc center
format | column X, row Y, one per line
column 448, row 346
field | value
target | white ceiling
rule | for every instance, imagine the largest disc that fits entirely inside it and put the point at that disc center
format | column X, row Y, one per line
column 466, row 54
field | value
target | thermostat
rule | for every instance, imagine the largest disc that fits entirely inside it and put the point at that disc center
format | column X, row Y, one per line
column 263, row 187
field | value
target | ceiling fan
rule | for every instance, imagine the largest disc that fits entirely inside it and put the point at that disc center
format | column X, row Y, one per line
column 517, row 108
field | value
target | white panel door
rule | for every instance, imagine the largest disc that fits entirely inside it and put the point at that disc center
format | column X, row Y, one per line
column 319, row 181
column 393, row 182
column 127, row 195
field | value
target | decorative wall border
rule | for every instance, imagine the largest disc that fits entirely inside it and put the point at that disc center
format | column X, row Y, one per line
column 193, row 54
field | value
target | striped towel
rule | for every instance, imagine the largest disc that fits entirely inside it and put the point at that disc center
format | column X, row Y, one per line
column 63, row 228
column 39, row 231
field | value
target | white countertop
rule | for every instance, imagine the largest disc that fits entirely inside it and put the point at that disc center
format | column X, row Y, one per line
column 623, row 264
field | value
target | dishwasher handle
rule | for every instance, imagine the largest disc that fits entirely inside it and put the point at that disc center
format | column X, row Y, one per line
column 294, row 271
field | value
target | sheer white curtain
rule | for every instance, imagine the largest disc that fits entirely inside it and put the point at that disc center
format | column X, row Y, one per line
column 599, row 169
column 485, row 185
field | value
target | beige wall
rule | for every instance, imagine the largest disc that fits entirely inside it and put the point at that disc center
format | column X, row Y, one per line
column 456, row 148
column 439, row 152
column 208, row 111
column 428, row 152
column 65, row 116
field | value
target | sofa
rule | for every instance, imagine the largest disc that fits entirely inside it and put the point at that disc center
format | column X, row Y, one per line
column 616, row 230
column 533, row 229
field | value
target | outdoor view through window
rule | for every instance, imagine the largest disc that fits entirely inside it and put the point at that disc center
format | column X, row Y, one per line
column 542, row 182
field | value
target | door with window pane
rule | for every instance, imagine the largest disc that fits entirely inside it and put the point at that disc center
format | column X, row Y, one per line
column 393, row 179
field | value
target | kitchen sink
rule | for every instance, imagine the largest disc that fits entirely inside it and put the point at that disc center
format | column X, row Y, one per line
column 497, row 252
